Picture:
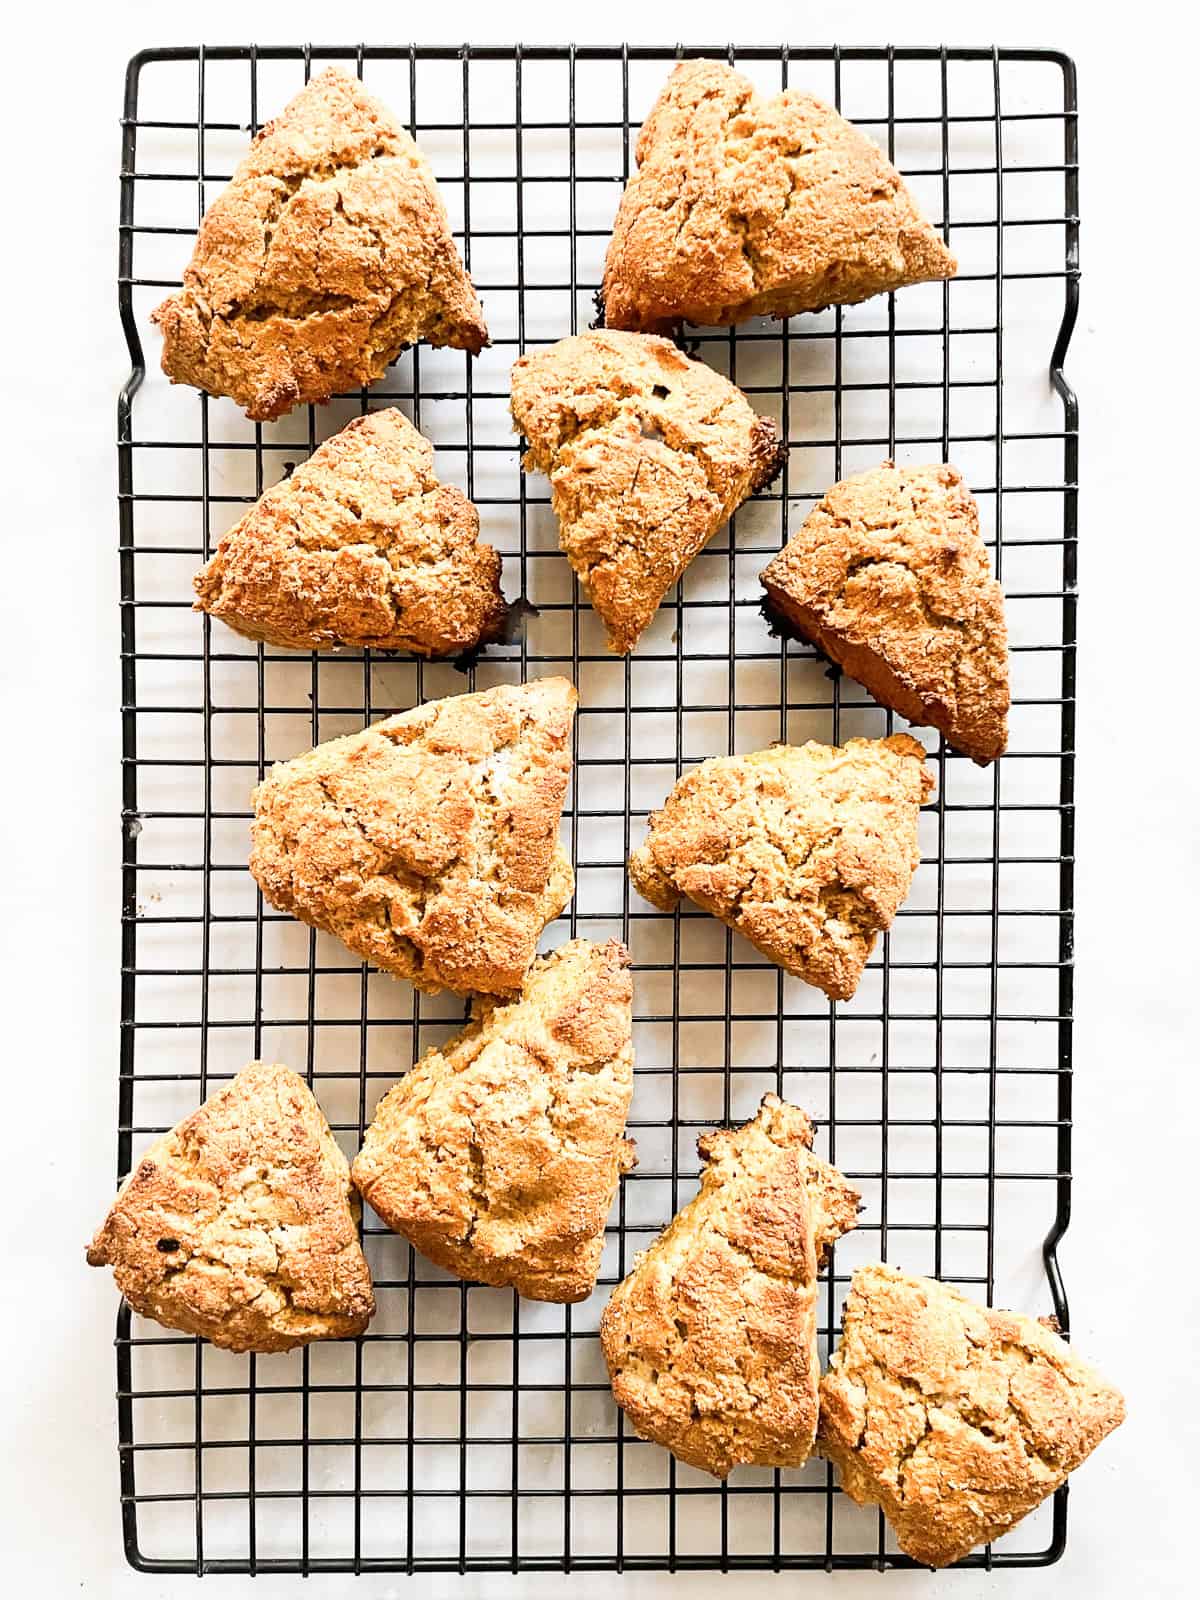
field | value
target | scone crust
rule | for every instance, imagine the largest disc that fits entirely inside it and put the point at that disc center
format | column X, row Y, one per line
column 648, row 454
column 240, row 1225
column 329, row 252
column 499, row 1154
column 711, row 1341
column 956, row 1419
column 745, row 206
column 428, row 843
column 890, row 577
column 807, row 851
column 361, row 546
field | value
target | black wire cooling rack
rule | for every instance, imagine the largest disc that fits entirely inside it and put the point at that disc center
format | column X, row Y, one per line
column 467, row 1429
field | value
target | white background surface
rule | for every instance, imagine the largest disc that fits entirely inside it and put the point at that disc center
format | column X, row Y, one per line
column 1130, row 1256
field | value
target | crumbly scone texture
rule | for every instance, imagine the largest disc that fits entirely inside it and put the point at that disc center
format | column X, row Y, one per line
column 648, row 454
column 890, row 577
column 805, row 850
column 746, row 206
column 240, row 1225
column 956, row 1419
column 329, row 252
column 428, row 843
column 711, row 1341
column 361, row 546
column 499, row 1154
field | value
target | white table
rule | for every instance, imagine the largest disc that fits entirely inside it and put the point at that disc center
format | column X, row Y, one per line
column 1129, row 1255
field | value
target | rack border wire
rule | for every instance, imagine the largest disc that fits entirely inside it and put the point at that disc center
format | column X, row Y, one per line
column 573, row 1497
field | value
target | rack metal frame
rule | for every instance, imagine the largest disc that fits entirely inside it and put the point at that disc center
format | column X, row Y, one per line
column 670, row 952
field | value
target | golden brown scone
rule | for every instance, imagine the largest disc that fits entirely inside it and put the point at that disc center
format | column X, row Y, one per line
column 807, row 851
column 745, row 207
column 890, row 578
column 329, row 252
column 240, row 1224
column 428, row 843
column 711, row 1341
column 956, row 1419
column 499, row 1154
column 360, row 546
column 648, row 454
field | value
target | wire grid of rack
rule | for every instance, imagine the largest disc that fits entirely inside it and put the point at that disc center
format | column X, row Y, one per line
column 467, row 1429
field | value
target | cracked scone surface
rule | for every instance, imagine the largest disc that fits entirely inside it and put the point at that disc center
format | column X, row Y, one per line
column 361, row 546
column 499, row 1154
column 329, row 252
column 428, row 843
column 240, row 1225
column 648, row 454
column 745, row 206
column 805, row 850
column 711, row 1341
column 890, row 577
column 954, row 1418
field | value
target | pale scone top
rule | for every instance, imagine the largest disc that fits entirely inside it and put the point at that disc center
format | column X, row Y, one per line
column 360, row 546
column 648, row 454
column 428, row 843
column 956, row 1419
column 240, row 1224
column 745, row 206
column 711, row 1341
column 328, row 253
column 890, row 577
column 499, row 1154
column 806, row 850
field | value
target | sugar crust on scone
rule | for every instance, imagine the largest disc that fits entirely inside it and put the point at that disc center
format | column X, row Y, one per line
column 889, row 577
column 241, row 1225
column 428, row 843
column 648, row 454
column 955, row 1418
column 329, row 252
column 807, row 851
column 745, row 205
column 498, row 1155
column 711, row 1341
column 360, row 546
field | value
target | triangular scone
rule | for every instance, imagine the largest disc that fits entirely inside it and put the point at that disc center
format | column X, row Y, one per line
column 955, row 1418
column 648, row 454
column 329, row 252
column 360, row 546
column 890, row 578
column 499, row 1154
column 711, row 1341
column 807, row 851
column 744, row 206
column 428, row 843
column 240, row 1225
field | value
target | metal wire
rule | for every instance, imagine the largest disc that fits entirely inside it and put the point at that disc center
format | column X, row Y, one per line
column 467, row 1430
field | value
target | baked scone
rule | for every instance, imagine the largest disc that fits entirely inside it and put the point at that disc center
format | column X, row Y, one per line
column 744, row 206
column 428, row 843
column 329, row 252
column 956, row 1419
column 807, row 851
column 499, row 1154
column 648, row 454
column 890, row 578
column 240, row 1224
column 711, row 1341
column 360, row 546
